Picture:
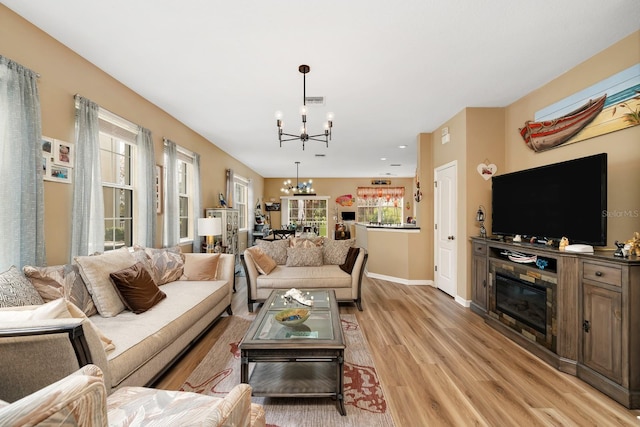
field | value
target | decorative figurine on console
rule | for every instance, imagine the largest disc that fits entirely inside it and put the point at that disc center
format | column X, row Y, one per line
column 620, row 251
column 634, row 244
column 223, row 202
column 564, row 242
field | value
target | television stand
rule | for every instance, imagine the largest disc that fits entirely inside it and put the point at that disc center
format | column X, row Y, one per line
column 590, row 327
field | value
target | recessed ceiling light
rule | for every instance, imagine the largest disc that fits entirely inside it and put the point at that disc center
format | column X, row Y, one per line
column 402, row 146
column 383, row 158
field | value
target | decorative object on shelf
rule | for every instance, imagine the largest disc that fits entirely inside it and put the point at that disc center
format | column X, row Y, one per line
column 209, row 227
column 221, row 199
column 271, row 207
column 294, row 294
column 541, row 263
column 418, row 194
column 304, row 136
column 634, row 244
column 299, row 189
column 486, row 169
column 564, row 242
column 480, row 220
column 520, row 257
column 621, row 251
column 292, row 316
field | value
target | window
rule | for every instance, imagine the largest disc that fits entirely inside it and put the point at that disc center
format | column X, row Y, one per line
column 186, row 211
column 308, row 211
column 380, row 205
column 117, row 171
column 240, row 190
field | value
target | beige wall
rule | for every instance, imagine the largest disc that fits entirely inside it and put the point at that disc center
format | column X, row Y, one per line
column 64, row 74
column 623, row 147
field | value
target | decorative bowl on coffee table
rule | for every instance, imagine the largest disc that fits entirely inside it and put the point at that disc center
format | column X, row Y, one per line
column 292, row 316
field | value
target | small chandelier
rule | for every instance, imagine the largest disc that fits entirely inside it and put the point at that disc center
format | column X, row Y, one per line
column 304, row 136
column 300, row 189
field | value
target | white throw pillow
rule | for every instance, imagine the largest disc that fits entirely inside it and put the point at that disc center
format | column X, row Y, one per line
column 95, row 272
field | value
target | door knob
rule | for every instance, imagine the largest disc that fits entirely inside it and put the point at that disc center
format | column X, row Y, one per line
column 450, row 238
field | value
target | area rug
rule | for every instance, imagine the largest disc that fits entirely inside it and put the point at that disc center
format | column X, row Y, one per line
column 219, row 372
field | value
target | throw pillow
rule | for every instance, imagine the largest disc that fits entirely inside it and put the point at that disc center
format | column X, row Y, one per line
column 334, row 252
column 61, row 281
column 276, row 250
column 264, row 263
column 55, row 309
column 200, row 266
column 304, row 242
column 17, row 290
column 304, row 257
column 352, row 255
column 95, row 271
column 167, row 264
column 136, row 288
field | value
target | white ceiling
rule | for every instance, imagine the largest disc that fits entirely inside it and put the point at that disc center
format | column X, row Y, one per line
column 388, row 70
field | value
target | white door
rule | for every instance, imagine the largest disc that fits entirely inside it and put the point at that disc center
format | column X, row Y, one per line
column 445, row 193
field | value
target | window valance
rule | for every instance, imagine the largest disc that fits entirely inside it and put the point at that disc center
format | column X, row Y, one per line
column 381, row 192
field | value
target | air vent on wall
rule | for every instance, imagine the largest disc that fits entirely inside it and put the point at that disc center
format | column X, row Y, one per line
column 320, row 155
column 395, row 164
column 314, row 100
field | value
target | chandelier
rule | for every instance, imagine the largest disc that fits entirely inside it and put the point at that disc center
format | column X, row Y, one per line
column 300, row 189
column 304, row 136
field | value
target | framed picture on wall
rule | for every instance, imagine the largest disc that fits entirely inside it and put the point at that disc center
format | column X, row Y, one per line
column 58, row 173
column 63, row 153
column 47, row 145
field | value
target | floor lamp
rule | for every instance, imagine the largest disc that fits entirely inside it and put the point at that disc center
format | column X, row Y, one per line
column 209, row 227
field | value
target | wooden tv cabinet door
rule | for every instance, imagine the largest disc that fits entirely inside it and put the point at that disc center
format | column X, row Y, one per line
column 609, row 358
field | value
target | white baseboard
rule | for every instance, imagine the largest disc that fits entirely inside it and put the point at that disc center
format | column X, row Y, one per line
column 462, row 302
column 400, row 280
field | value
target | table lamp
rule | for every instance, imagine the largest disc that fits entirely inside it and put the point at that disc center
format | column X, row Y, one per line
column 209, row 227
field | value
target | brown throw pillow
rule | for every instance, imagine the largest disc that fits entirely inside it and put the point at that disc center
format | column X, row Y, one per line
column 136, row 288
column 200, row 266
column 264, row 263
column 352, row 255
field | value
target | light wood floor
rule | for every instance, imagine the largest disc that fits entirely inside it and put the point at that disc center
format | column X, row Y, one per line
column 440, row 364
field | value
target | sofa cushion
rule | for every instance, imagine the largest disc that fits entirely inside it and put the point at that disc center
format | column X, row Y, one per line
column 17, row 290
column 306, row 242
column 276, row 250
column 264, row 263
column 200, row 266
column 61, row 281
column 350, row 261
column 167, row 264
column 325, row 276
column 304, row 256
column 136, row 288
column 95, row 272
column 334, row 252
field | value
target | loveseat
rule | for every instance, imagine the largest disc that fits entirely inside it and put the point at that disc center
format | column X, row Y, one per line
column 304, row 263
column 80, row 399
column 107, row 324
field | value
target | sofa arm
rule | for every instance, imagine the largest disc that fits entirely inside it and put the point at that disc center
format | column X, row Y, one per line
column 251, row 276
column 34, row 354
column 78, row 399
column 356, row 277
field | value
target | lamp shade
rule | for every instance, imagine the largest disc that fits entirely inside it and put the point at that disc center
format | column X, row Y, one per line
column 209, row 226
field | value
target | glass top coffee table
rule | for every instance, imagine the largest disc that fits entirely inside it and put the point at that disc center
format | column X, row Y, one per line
column 306, row 360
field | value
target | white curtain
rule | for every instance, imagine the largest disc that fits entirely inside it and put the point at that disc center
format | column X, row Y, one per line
column 87, row 229
column 197, row 205
column 171, row 235
column 21, row 192
column 146, row 196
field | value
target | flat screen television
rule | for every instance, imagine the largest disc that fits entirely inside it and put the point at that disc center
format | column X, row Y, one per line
column 562, row 199
column 348, row 216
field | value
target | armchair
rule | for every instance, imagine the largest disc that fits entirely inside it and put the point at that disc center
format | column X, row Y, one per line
column 81, row 399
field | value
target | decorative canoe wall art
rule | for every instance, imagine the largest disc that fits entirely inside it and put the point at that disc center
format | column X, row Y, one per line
column 610, row 105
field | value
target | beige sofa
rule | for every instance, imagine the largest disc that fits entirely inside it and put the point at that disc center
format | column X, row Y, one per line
column 145, row 344
column 347, row 286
